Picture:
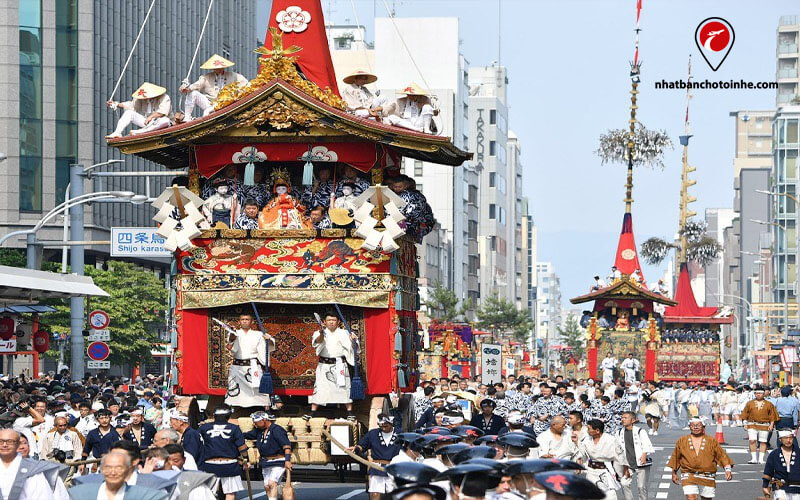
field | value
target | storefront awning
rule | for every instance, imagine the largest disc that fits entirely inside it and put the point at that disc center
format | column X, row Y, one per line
column 27, row 286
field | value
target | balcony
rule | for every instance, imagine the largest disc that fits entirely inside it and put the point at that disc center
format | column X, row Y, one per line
column 787, row 73
column 789, row 21
column 787, row 48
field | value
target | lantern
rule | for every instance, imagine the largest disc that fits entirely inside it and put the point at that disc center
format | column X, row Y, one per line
column 7, row 327
column 41, row 341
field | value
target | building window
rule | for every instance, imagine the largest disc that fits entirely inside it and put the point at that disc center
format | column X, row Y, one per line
column 30, row 105
column 472, row 229
column 472, row 194
column 417, row 168
column 502, row 215
column 492, row 210
column 492, row 148
column 492, row 117
column 66, row 92
column 493, row 243
column 419, row 188
column 492, row 177
column 474, row 265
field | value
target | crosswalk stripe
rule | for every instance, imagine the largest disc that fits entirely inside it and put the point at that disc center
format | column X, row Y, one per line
column 663, row 486
column 350, row 494
column 662, row 494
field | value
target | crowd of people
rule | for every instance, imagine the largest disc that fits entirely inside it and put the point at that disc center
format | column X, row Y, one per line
column 271, row 201
column 693, row 335
column 506, row 440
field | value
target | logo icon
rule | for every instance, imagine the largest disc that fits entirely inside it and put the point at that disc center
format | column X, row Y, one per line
column 714, row 38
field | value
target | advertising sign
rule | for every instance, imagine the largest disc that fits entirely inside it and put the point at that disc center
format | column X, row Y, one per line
column 491, row 363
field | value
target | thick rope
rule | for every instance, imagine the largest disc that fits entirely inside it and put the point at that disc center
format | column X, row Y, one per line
column 199, row 40
column 135, row 42
column 371, row 465
column 363, row 42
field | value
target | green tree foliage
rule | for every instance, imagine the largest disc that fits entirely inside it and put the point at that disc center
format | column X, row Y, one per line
column 501, row 316
column 137, row 299
column 443, row 306
column 13, row 257
column 573, row 336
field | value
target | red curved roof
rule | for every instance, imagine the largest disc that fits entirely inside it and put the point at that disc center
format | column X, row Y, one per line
column 687, row 310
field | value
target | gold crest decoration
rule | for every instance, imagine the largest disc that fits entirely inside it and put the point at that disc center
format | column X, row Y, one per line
column 278, row 63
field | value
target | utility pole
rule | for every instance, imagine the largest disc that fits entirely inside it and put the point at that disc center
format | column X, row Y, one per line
column 76, row 257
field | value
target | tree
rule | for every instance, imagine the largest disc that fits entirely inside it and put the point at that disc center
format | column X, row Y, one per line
column 443, row 305
column 13, row 257
column 137, row 299
column 501, row 315
column 573, row 336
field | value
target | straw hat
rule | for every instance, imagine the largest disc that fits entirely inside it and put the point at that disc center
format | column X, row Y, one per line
column 148, row 91
column 415, row 89
column 360, row 72
column 217, row 62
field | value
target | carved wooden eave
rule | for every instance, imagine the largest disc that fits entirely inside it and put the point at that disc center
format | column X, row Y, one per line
column 624, row 289
column 279, row 113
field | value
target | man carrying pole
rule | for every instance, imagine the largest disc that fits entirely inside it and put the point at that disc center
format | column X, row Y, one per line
column 249, row 349
column 334, row 346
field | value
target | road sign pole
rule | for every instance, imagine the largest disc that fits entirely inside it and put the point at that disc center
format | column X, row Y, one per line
column 76, row 320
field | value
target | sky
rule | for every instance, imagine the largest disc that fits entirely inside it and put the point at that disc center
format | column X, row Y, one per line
column 568, row 66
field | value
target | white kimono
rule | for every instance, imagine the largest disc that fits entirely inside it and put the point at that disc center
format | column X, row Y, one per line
column 243, row 380
column 608, row 365
column 549, row 444
column 332, row 384
column 205, row 90
column 630, row 366
column 608, row 451
column 360, row 99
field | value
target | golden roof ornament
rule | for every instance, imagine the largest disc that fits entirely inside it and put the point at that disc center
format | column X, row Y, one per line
column 278, row 62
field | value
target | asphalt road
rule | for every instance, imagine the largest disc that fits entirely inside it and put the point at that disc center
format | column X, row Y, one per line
column 746, row 483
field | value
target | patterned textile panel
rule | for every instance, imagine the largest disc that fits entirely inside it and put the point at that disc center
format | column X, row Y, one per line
column 282, row 256
column 621, row 343
column 686, row 360
column 293, row 361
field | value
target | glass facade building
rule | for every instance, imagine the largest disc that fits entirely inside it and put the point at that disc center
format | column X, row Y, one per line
column 30, row 105
column 784, row 179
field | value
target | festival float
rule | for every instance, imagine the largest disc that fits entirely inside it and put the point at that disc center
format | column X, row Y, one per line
column 292, row 116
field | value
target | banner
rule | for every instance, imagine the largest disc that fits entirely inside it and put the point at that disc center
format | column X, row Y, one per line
column 761, row 362
column 788, row 357
column 491, row 360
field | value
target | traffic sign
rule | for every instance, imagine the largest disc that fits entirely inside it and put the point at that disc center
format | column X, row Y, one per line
column 98, row 365
column 98, row 319
column 98, row 351
column 137, row 242
column 95, row 335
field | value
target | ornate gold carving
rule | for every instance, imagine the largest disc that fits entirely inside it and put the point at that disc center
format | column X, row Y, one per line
column 283, row 233
column 333, row 233
column 233, row 233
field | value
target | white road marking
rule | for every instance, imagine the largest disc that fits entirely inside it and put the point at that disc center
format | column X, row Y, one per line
column 663, row 486
column 350, row 494
column 662, row 494
column 666, row 476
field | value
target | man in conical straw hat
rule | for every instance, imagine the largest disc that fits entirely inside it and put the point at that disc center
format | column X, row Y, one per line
column 413, row 110
column 149, row 110
column 204, row 91
column 360, row 100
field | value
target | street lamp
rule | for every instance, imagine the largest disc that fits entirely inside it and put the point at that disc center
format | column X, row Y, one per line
column 749, row 329
column 786, row 273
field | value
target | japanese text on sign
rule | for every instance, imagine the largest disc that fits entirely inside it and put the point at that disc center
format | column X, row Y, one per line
column 137, row 242
column 491, row 359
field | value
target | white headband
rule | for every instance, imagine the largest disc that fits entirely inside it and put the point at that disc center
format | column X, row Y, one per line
column 785, row 433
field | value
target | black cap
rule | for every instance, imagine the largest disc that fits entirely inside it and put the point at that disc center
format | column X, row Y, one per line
column 467, row 431
column 494, row 464
column 405, row 473
column 489, row 439
column 474, row 479
column 535, row 466
column 406, row 438
column 452, row 449
column 474, row 452
column 435, row 492
column 569, row 484
column 435, row 430
column 430, row 441
column 517, row 440
column 488, row 402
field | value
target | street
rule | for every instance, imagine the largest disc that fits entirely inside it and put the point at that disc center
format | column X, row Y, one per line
column 746, row 483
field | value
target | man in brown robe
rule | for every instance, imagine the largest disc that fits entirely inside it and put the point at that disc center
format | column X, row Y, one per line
column 696, row 458
column 761, row 416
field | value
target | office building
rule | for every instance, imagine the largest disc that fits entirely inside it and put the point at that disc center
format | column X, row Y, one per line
column 65, row 58
column 450, row 255
column 787, row 58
